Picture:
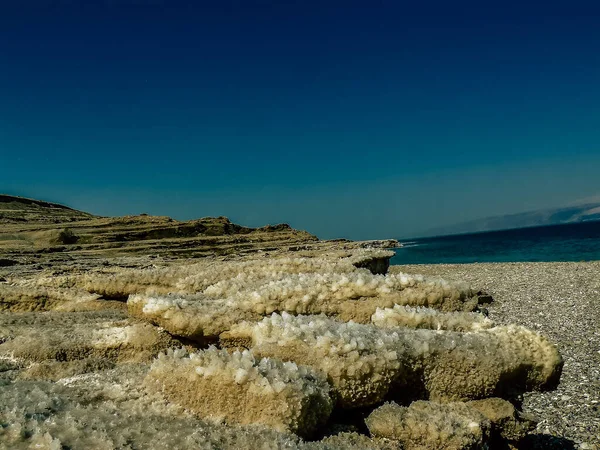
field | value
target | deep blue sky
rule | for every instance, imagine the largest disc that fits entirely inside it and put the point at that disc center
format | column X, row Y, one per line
column 349, row 119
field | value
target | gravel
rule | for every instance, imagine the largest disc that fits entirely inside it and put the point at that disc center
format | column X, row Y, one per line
column 561, row 301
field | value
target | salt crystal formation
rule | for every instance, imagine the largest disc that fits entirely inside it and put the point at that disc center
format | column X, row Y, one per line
column 237, row 388
column 452, row 426
column 507, row 422
column 299, row 337
column 119, row 282
column 78, row 336
column 296, row 285
column 112, row 409
column 420, row 317
column 259, row 291
column 39, row 298
column 309, row 293
column 364, row 362
column 360, row 361
column 431, row 426
column 194, row 317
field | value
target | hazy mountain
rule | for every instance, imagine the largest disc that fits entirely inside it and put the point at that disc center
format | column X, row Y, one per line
column 569, row 214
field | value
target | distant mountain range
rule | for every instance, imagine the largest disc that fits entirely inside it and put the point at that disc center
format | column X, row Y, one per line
column 554, row 216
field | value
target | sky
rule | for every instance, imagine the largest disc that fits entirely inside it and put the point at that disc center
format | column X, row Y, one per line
column 356, row 119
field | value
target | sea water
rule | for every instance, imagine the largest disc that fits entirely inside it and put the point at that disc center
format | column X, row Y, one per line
column 567, row 242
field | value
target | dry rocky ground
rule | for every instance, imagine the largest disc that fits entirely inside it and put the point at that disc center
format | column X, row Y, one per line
column 145, row 332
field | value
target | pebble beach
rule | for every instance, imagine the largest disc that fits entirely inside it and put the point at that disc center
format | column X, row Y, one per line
column 561, row 301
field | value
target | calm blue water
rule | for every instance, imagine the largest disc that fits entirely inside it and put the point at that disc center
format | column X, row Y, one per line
column 570, row 242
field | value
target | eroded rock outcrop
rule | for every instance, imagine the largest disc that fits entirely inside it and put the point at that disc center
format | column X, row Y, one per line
column 377, row 263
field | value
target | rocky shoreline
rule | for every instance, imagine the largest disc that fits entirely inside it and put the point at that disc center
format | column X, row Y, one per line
column 561, row 301
column 145, row 332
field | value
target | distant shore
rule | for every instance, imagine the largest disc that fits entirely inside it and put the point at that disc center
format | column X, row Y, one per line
column 561, row 301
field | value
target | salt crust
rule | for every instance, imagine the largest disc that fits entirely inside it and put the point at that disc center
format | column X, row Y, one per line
column 431, row 426
column 189, row 278
column 210, row 296
column 112, row 409
column 363, row 362
column 421, row 317
column 307, row 292
column 225, row 277
column 117, row 340
column 455, row 425
column 360, row 361
column 23, row 298
column 507, row 422
column 237, row 388
column 259, row 290
column 194, row 316
column 462, row 348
